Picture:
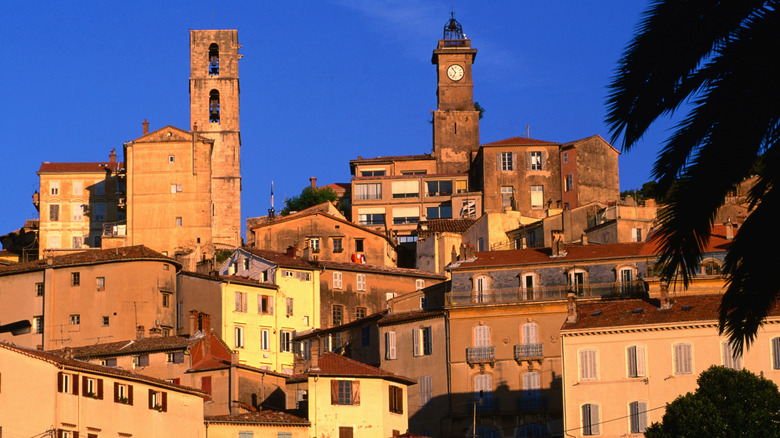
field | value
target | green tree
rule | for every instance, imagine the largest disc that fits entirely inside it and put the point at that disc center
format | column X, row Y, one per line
column 309, row 197
column 726, row 404
column 711, row 58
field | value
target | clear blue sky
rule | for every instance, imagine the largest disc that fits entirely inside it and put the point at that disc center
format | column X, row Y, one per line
column 321, row 81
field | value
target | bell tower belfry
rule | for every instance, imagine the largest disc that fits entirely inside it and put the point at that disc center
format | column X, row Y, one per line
column 455, row 121
column 214, row 114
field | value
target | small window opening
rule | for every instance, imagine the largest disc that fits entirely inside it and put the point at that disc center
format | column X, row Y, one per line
column 213, row 60
column 214, row 106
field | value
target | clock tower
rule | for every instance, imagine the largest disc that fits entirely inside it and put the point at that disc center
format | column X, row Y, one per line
column 455, row 121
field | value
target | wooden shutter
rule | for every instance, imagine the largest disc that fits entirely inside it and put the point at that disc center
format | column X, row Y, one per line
column 498, row 162
column 416, row 341
column 390, row 345
column 151, row 399
column 356, row 393
column 84, row 389
column 116, row 392
column 514, row 161
column 271, row 305
column 530, row 333
column 594, row 418
column 75, row 385
column 164, row 401
column 60, row 381
column 238, row 301
column 640, row 361
column 632, row 365
column 100, row 389
column 334, row 392
column 205, row 385
column 776, row 353
column 130, row 395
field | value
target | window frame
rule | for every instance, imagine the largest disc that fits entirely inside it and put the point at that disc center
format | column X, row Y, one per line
column 637, row 416
column 590, row 416
column 338, row 280
column 636, row 362
column 396, row 399
column 238, row 336
column 360, row 282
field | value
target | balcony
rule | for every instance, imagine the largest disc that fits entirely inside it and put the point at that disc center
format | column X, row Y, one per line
column 477, row 355
column 486, row 403
column 519, row 295
column 529, row 352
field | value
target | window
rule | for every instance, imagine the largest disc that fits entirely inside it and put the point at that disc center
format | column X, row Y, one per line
column 426, row 390
column 214, row 106
column 54, row 187
column 75, row 319
column 482, row 289
column 265, row 340
column 372, row 172
column 123, row 393
column 283, row 434
column 483, row 391
column 709, row 267
column 108, row 362
column 636, row 361
column 406, row 189
column 507, row 194
column 407, row 239
column 419, row 284
column 99, row 213
column 776, row 353
column 37, row 325
column 507, row 161
column 166, row 299
column 682, row 359
column 368, row 191
column 365, row 336
column 537, row 197
column 361, row 282
column 637, row 416
column 731, row 357
column 577, row 280
column 142, row 360
column 565, row 157
column 461, row 186
column 338, row 244
column 414, row 172
column 241, row 302
column 67, row 383
column 92, row 388
column 239, row 336
column 38, row 289
column 439, row 188
column 530, row 332
column 372, row 219
column 314, row 244
column 171, row 158
column 590, row 419
column 78, row 188
column 396, row 399
column 176, row 188
column 390, row 345
column 443, row 211
column 77, row 212
column 158, row 400
column 54, row 212
column 532, row 391
column 423, row 302
column 289, row 307
column 285, row 341
column 334, row 339
column 337, row 284
column 535, row 160
column 338, row 314
column 345, row 432
column 106, row 321
column 100, row 188
column 569, row 186
column 423, row 341
column 406, row 215
column 100, row 283
column 345, row 392
column 179, row 222
column 265, row 305
column 626, row 280
column 214, row 71
column 359, row 245
column 588, row 365
column 636, row 234
column 360, row 312
column 175, row 357
column 244, row 434
column 246, row 264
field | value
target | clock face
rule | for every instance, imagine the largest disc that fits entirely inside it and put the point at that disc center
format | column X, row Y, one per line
column 455, row 72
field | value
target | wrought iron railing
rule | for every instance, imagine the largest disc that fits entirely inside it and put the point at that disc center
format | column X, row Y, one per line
column 525, row 351
column 481, row 354
column 519, row 294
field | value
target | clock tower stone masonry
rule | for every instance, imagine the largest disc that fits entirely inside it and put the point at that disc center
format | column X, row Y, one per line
column 214, row 114
column 455, row 121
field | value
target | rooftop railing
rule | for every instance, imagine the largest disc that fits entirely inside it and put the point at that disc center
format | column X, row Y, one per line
column 547, row 293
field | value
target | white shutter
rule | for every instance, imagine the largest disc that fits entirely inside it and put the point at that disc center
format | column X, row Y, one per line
column 642, row 416
column 481, row 336
column 640, row 361
column 425, row 390
column 594, row 418
column 530, row 333
column 515, row 165
column 416, row 336
column 776, row 353
column 588, row 365
column 390, row 345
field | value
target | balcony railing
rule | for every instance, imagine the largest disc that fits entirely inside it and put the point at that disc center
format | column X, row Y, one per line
column 518, row 294
column 529, row 351
column 481, row 354
column 367, row 196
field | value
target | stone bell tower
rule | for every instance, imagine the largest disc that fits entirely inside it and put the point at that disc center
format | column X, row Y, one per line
column 455, row 121
column 214, row 114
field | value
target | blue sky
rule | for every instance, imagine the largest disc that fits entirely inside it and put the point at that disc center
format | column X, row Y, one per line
column 321, row 82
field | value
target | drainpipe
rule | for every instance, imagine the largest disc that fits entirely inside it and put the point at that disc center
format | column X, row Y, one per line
column 448, row 357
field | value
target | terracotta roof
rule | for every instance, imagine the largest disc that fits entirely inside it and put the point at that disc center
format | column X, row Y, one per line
column 77, row 167
column 377, row 269
column 393, row 158
column 74, row 364
column 231, row 278
column 281, row 259
column 624, row 313
column 133, row 346
column 356, row 323
column 519, row 141
column 717, row 242
column 417, row 315
column 542, row 255
column 443, row 226
column 339, row 187
column 265, row 417
column 334, row 365
column 91, row 257
column 305, row 214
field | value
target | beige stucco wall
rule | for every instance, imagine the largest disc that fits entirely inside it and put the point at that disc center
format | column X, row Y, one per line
column 222, row 430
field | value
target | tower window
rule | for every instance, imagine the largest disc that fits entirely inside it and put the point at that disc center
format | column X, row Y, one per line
column 214, row 106
column 213, row 60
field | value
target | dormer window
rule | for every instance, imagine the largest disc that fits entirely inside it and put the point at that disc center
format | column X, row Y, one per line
column 214, row 106
column 213, row 60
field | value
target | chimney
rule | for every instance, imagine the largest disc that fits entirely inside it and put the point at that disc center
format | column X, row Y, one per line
column 193, row 322
column 315, row 354
column 454, row 254
column 146, row 127
column 469, row 252
column 584, row 239
column 67, row 353
column 313, row 181
column 666, row 302
column 729, row 230
column 571, row 318
column 291, row 250
column 139, row 332
column 112, row 158
column 557, row 243
column 234, row 357
column 204, row 322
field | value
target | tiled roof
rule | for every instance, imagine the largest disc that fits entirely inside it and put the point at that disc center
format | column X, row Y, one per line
column 356, row 323
column 717, row 242
column 281, row 259
column 305, row 214
column 624, row 313
column 75, row 364
column 265, row 417
column 396, row 318
column 334, row 365
column 519, row 141
column 339, row 187
column 96, row 256
column 443, row 226
column 231, row 278
column 542, row 255
column 393, row 158
column 133, row 346
column 77, row 167
column 377, row 269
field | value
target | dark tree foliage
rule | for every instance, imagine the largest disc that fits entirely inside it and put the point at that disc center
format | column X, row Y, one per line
column 309, row 197
column 715, row 58
column 726, row 404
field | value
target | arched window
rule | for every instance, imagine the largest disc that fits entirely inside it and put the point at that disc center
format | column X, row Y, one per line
column 213, row 60
column 482, row 336
column 532, row 391
column 626, row 280
column 529, row 286
column 482, row 289
column 483, row 392
column 214, row 106
column 709, row 267
column 578, row 278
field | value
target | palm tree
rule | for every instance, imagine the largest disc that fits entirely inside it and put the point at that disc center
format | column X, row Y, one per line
column 717, row 60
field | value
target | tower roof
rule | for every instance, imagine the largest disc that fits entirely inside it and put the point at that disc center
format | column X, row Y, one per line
column 453, row 30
